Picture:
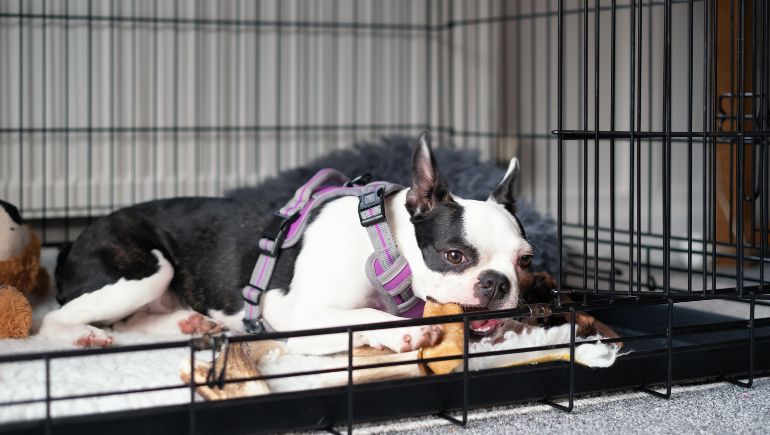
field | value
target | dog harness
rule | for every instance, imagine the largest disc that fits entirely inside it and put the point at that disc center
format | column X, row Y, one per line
column 386, row 268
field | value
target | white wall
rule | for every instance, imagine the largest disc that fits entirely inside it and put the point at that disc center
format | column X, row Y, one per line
column 74, row 75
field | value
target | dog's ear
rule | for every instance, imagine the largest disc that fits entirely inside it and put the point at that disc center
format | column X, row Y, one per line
column 428, row 187
column 505, row 192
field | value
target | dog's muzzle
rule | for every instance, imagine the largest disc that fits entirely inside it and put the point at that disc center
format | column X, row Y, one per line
column 492, row 284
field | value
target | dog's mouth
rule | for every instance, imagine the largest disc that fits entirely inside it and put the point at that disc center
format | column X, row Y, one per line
column 482, row 328
column 479, row 328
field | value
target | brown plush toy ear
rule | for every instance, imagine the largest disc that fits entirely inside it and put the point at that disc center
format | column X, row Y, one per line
column 16, row 318
column 23, row 271
column 42, row 284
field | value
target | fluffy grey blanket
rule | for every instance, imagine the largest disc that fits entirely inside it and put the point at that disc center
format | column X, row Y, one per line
column 389, row 159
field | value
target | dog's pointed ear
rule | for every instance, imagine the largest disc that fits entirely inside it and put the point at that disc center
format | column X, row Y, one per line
column 428, row 187
column 505, row 192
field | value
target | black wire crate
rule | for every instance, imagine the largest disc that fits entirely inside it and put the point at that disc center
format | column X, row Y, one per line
column 641, row 127
column 672, row 351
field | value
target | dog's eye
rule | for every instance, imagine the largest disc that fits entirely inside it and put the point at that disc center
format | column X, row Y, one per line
column 454, row 256
column 525, row 261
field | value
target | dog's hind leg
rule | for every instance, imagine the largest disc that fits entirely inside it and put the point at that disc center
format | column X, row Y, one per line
column 182, row 321
column 105, row 306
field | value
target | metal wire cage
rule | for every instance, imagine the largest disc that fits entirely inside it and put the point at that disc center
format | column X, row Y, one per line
column 643, row 125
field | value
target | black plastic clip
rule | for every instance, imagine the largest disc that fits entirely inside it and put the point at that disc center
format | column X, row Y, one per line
column 371, row 208
column 361, row 180
column 276, row 232
column 214, row 379
column 253, row 326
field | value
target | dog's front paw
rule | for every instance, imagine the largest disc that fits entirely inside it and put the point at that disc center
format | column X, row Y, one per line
column 429, row 335
column 405, row 339
column 198, row 324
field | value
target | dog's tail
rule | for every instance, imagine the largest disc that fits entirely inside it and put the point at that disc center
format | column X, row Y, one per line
column 64, row 252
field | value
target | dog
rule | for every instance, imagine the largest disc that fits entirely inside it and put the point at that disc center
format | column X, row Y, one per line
column 181, row 264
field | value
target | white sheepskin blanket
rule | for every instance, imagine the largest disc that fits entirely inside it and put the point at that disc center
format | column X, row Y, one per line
column 590, row 352
column 126, row 371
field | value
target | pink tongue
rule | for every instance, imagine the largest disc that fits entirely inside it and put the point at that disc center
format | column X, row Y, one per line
column 483, row 324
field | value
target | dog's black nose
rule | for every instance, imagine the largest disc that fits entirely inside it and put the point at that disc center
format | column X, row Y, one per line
column 492, row 283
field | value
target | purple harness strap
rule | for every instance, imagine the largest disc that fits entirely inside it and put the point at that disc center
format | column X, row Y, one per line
column 386, row 269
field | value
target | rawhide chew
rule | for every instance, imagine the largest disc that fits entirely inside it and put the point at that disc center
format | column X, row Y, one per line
column 451, row 344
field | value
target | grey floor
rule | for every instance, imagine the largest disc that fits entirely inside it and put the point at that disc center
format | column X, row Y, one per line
column 718, row 408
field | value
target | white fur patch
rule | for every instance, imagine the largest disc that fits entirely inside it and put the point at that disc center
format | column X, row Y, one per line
column 233, row 322
column 153, row 323
column 107, row 305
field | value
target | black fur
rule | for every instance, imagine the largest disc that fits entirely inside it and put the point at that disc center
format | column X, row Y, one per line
column 505, row 192
column 437, row 218
column 428, row 188
column 12, row 211
column 211, row 242
column 386, row 159
column 441, row 230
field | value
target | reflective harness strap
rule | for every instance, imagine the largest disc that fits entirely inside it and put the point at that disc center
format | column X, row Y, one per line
column 386, row 269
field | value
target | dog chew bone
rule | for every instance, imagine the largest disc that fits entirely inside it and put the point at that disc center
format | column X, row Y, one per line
column 400, row 371
column 242, row 362
column 451, row 344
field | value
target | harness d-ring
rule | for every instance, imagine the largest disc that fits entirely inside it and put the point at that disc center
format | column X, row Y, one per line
column 220, row 380
column 360, row 180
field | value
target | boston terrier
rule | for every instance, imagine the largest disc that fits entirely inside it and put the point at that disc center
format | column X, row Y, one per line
column 180, row 264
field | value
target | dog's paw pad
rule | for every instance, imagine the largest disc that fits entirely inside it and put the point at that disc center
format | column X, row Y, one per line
column 197, row 323
column 422, row 336
column 430, row 335
column 94, row 337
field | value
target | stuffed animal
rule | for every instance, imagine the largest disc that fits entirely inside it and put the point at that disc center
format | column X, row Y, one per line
column 20, row 273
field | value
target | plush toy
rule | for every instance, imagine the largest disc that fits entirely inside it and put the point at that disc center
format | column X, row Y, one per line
column 20, row 273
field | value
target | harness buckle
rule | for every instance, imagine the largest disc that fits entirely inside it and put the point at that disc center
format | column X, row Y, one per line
column 360, row 180
column 371, row 208
column 276, row 232
column 254, row 326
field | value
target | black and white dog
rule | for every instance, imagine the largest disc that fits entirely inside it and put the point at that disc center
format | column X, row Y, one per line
column 166, row 264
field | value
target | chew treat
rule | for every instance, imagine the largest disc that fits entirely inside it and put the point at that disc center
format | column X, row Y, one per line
column 242, row 362
column 451, row 344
